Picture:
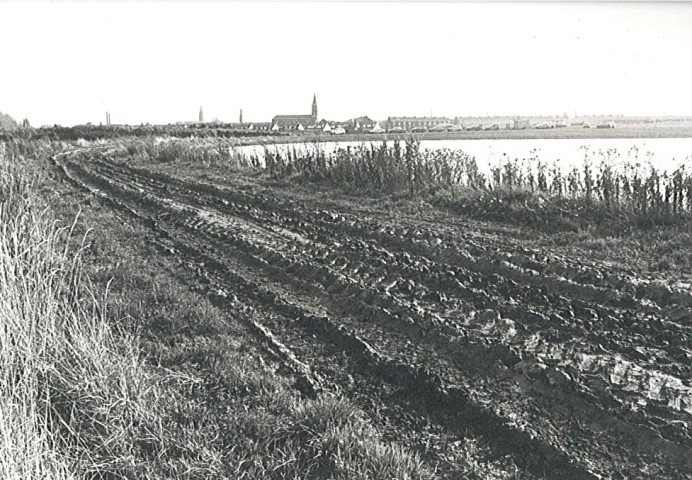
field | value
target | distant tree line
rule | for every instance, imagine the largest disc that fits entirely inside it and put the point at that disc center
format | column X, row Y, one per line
column 98, row 132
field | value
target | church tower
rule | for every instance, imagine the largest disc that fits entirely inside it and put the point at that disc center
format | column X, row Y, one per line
column 201, row 115
column 241, row 116
column 314, row 108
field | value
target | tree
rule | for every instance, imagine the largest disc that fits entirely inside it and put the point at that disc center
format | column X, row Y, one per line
column 7, row 122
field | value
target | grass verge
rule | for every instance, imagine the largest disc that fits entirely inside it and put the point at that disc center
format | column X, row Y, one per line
column 67, row 383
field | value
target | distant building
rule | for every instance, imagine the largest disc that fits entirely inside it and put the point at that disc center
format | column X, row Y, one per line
column 259, row 126
column 241, row 116
column 201, row 115
column 292, row 122
column 408, row 123
column 360, row 124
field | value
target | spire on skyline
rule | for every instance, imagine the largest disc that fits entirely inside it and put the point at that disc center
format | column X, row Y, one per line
column 314, row 107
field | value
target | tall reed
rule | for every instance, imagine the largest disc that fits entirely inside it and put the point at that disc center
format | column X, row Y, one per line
column 614, row 185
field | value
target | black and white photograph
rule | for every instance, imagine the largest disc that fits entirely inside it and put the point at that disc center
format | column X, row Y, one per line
column 394, row 240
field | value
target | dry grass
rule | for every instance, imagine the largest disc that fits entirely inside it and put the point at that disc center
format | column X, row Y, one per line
column 199, row 152
column 67, row 382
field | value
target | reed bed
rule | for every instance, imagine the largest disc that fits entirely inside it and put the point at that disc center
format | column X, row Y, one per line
column 198, row 152
column 604, row 183
column 604, row 180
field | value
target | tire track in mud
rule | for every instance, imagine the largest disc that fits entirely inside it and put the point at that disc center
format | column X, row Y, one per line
column 547, row 271
column 588, row 318
column 262, row 256
column 305, row 379
column 552, row 268
column 419, row 384
column 670, row 338
column 485, row 465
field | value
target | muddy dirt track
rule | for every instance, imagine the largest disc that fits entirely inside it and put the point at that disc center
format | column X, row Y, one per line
column 557, row 366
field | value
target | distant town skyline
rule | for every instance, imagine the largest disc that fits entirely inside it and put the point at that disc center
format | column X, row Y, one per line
column 69, row 63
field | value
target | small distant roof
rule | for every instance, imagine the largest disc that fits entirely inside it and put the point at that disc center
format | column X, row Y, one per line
column 362, row 120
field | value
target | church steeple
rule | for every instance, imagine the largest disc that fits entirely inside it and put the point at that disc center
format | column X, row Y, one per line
column 201, row 115
column 314, row 108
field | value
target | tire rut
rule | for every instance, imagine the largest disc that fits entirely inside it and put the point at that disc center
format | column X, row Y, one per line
column 257, row 246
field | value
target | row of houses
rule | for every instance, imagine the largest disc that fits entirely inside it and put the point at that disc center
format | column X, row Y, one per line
column 367, row 125
column 411, row 123
column 310, row 123
column 363, row 124
column 356, row 125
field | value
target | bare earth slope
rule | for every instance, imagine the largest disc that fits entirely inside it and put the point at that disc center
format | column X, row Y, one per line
column 561, row 366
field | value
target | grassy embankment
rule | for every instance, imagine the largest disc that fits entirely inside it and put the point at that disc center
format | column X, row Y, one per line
column 71, row 391
column 113, row 368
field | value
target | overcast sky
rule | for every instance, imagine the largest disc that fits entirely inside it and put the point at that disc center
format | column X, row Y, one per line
column 68, row 63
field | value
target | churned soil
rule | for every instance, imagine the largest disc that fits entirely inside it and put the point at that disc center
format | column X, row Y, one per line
column 446, row 330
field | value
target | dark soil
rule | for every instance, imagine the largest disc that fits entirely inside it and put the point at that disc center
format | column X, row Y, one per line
column 515, row 351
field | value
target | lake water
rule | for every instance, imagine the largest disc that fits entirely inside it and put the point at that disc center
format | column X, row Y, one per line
column 663, row 153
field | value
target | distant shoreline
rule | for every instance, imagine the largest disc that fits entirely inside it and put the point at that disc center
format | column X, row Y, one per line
column 250, row 137
column 528, row 134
